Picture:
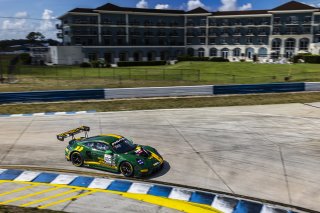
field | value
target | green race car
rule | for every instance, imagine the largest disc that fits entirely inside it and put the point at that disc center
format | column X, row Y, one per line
column 111, row 153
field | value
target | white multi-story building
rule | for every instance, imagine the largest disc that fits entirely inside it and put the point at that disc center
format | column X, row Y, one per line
column 133, row 34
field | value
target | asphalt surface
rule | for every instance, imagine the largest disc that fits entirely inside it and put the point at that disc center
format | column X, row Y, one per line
column 269, row 152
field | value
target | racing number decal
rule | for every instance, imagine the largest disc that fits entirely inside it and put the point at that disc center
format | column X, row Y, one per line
column 108, row 159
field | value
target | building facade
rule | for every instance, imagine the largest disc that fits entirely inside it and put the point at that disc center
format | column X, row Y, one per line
column 132, row 34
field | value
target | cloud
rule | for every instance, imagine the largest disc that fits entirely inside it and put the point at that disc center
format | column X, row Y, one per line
column 228, row 5
column 19, row 26
column 142, row 4
column 231, row 5
column 247, row 6
column 19, row 22
column 193, row 4
column 48, row 21
column 162, row 6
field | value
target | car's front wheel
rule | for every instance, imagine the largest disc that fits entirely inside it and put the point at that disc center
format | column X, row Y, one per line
column 76, row 159
column 126, row 169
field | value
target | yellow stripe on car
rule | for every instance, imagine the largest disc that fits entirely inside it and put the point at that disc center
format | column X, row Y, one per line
column 113, row 135
column 153, row 155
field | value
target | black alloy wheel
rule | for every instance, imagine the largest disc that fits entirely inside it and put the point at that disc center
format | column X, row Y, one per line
column 76, row 159
column 126, row 169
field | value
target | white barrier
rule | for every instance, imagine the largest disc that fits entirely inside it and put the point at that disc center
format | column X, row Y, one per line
column 158, row 92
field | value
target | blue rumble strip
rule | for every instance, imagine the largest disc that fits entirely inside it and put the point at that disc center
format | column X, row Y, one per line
column 119, row 185
column 219, row 202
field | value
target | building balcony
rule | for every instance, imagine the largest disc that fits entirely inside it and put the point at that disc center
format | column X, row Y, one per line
column 85, row 33
column 121, row 33
column 106, row 22
column 84, row 22
column 106, row 33
column 174, row 24
column 173, row 34
column 135, row 23
column 192, row 34
column 161, row 34
column 135, row 33
column 148, row 23
column 121, row 23
column 161, row 24
column 148, row 34
column 292, row 22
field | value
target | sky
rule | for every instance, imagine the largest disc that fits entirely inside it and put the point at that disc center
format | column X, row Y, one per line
column 40, row 15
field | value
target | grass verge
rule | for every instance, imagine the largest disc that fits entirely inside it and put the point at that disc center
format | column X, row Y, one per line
column 162, row 103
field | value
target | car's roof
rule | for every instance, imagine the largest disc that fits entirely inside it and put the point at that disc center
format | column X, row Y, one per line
column 110, row 138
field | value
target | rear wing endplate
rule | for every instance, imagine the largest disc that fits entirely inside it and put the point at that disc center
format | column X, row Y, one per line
column 73, row 132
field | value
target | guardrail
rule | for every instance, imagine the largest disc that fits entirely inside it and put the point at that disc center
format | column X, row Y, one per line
column 204, row 90
column 43, row 96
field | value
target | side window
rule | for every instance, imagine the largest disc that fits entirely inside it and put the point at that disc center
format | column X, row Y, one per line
column 89, row 144
column 101, row 146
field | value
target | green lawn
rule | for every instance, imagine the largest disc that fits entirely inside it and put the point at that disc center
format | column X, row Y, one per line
column 183, row 73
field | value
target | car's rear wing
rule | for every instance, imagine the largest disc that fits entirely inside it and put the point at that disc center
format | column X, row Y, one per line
column 73, row 132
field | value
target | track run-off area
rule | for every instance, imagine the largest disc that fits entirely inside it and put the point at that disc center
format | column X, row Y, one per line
column 267, row 152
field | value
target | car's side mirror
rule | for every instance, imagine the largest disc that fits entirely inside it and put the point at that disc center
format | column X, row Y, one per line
column 108, row 152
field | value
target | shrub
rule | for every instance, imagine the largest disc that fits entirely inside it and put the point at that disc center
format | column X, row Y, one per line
column 25, row 58
column 85, row 64
column 140, row 63
column 192, row 58
column 219, row 59
column 307, row 57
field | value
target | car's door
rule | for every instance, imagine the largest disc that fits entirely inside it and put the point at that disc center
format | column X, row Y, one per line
column 103, row 155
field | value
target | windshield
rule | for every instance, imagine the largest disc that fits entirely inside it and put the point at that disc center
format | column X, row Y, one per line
column 123, row 145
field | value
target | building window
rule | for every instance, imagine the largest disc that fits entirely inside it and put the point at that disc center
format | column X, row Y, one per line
column 307, row 19
column 189, row 41
column 202, row 40
column 223, row 41
column 237, row 52
column 236, row 40
column 213, row 52
column 292, row 20
column 200, row 52
column 249, row 40
column 276, row 20
column 276, row 44
column 261, row 40
column 212, row 40
column 304, row 44
column 120, row 41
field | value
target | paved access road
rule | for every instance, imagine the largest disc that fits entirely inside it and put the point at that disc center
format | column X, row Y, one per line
column 270, row 152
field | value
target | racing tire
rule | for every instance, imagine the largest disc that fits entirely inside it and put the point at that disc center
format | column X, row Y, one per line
column 76, row 159
column 126, row 169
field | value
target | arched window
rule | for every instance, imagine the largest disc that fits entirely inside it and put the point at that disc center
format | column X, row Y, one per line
column 200, row 52
column 263, row 52
column 304, row 44
column 276, row 44
column 213, row 52
column 290, row 44
column 225, row 53
column 249, row 52
column 237, row 52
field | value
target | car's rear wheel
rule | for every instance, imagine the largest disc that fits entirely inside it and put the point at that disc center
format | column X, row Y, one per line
column 76, row 159
column 126, row 169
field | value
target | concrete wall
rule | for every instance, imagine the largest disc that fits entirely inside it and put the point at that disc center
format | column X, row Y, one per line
column 67, row 55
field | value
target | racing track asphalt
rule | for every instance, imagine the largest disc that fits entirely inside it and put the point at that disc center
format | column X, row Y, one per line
column 270, row 152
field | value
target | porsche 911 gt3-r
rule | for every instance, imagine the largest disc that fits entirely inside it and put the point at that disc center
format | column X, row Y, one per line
column 111, row 152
